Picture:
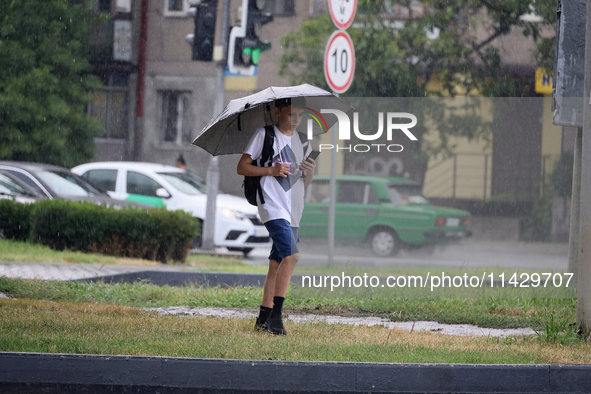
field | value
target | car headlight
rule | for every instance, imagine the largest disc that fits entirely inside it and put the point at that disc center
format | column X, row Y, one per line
column 233, row 214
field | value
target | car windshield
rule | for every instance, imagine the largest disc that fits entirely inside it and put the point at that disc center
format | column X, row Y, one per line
column 185, row 182
column 65, row 184
column 406, row 194
column 10, row 186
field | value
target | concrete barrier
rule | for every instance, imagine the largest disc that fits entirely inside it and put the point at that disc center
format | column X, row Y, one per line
column 64, row 373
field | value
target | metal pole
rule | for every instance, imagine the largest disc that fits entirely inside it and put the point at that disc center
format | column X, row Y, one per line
column 333, row 194
column 485, row 176
column 575, row 210
column 584, row 285
column 213, row 172
column 138, row 132
column 453, row 191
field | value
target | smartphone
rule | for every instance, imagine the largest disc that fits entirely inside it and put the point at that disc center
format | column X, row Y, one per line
column 313, row 155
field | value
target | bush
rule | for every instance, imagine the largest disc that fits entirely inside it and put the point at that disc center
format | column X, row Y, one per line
column 140, row 233
column 15, row 220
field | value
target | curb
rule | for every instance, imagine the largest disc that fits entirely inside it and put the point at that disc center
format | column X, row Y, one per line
column 67, row 373
column 172, row 278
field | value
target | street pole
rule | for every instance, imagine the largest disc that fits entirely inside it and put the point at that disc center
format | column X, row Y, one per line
column 584, row 285
column 575, row 210
column 333, row 193
column 213, row 171
column 138, row 130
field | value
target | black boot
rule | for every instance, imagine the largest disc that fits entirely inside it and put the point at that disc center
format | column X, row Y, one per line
column 275, row 325
column 264, row 314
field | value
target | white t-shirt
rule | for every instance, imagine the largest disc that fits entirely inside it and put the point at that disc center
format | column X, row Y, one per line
column 284, row 197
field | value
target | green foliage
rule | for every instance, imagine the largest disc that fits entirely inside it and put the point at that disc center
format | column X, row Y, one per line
column 45, row 82
column 396, row 58
column 15, row 220
column 537, row 225
column 83, row 226
column 557, row 325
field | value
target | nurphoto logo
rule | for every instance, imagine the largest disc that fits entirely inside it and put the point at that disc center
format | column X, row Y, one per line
column 344, row 130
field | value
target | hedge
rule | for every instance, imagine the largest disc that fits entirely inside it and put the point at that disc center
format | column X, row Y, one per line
column 14, row 220
column 154, row 234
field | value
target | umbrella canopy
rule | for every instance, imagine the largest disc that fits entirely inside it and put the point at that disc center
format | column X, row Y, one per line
column 231, row 130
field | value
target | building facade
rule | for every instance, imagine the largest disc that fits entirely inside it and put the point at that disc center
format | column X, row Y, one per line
column 155, row 121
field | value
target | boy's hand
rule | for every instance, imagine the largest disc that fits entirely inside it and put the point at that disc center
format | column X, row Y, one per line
column 281, row 169
column 308, row 166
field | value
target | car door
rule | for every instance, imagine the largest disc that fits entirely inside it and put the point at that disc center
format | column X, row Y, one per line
column 142, row 188
column 315, row 217
column 356, row 209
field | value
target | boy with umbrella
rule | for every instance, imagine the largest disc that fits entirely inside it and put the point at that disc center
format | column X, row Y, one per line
column 282, row 186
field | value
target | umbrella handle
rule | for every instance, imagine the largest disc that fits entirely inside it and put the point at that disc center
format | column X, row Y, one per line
column 239, row 124
column 268, row 110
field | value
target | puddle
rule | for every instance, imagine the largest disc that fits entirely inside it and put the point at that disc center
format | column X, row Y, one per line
column 447, row 329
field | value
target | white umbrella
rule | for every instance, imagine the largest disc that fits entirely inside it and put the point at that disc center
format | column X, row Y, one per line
column 230, row 131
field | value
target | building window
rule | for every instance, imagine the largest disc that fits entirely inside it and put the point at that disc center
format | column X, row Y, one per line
column 110, row 105
column 176, row 116
column 104, row 5
column 176, row 7
column 280, row 7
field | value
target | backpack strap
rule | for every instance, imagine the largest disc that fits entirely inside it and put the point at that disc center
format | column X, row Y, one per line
column 267, row 153
column 266, row 157
column 305, row 141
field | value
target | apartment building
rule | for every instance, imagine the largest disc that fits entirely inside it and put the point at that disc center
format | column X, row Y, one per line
column 156, row 120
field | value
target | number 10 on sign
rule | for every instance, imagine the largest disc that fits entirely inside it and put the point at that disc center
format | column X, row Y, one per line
column 339, row 61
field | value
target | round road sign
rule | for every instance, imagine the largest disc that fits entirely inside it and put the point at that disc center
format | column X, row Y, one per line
column 339, row 61
column 342, row 12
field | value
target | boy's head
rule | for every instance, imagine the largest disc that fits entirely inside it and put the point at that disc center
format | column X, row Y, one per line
column 289, row 112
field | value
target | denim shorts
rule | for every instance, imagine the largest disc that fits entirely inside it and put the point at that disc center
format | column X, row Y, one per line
column 285, row 239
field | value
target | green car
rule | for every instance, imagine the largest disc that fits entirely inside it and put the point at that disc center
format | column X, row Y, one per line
column 387, row 213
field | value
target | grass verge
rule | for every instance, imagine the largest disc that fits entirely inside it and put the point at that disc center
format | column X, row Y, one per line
column 541, row 314
column 90, row 328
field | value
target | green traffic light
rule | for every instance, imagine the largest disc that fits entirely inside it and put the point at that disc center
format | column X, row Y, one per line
column 256, row 56
column 247, row 55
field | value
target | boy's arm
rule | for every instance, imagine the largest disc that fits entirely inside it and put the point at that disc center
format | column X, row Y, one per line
column 246, row 168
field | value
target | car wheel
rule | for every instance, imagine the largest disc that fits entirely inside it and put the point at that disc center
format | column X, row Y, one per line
column 384, row 242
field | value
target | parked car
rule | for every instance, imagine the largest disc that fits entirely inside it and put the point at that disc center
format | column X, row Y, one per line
column 238, row 226
column 387, row 213
column 52, row 182
column 13, row 189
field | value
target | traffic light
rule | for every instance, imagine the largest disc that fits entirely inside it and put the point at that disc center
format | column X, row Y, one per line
column 245, row 42
column 204, row 13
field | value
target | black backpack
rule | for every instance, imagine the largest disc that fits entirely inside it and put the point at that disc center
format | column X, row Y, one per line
column 252, row 184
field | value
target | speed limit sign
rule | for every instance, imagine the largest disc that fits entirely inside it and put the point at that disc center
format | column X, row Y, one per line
column 339, row 61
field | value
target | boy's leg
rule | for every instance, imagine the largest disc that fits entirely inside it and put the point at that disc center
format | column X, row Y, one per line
column 284, row 274
column 279, row 233
column 270, row 284
column 275, row 322
column 268, row 293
